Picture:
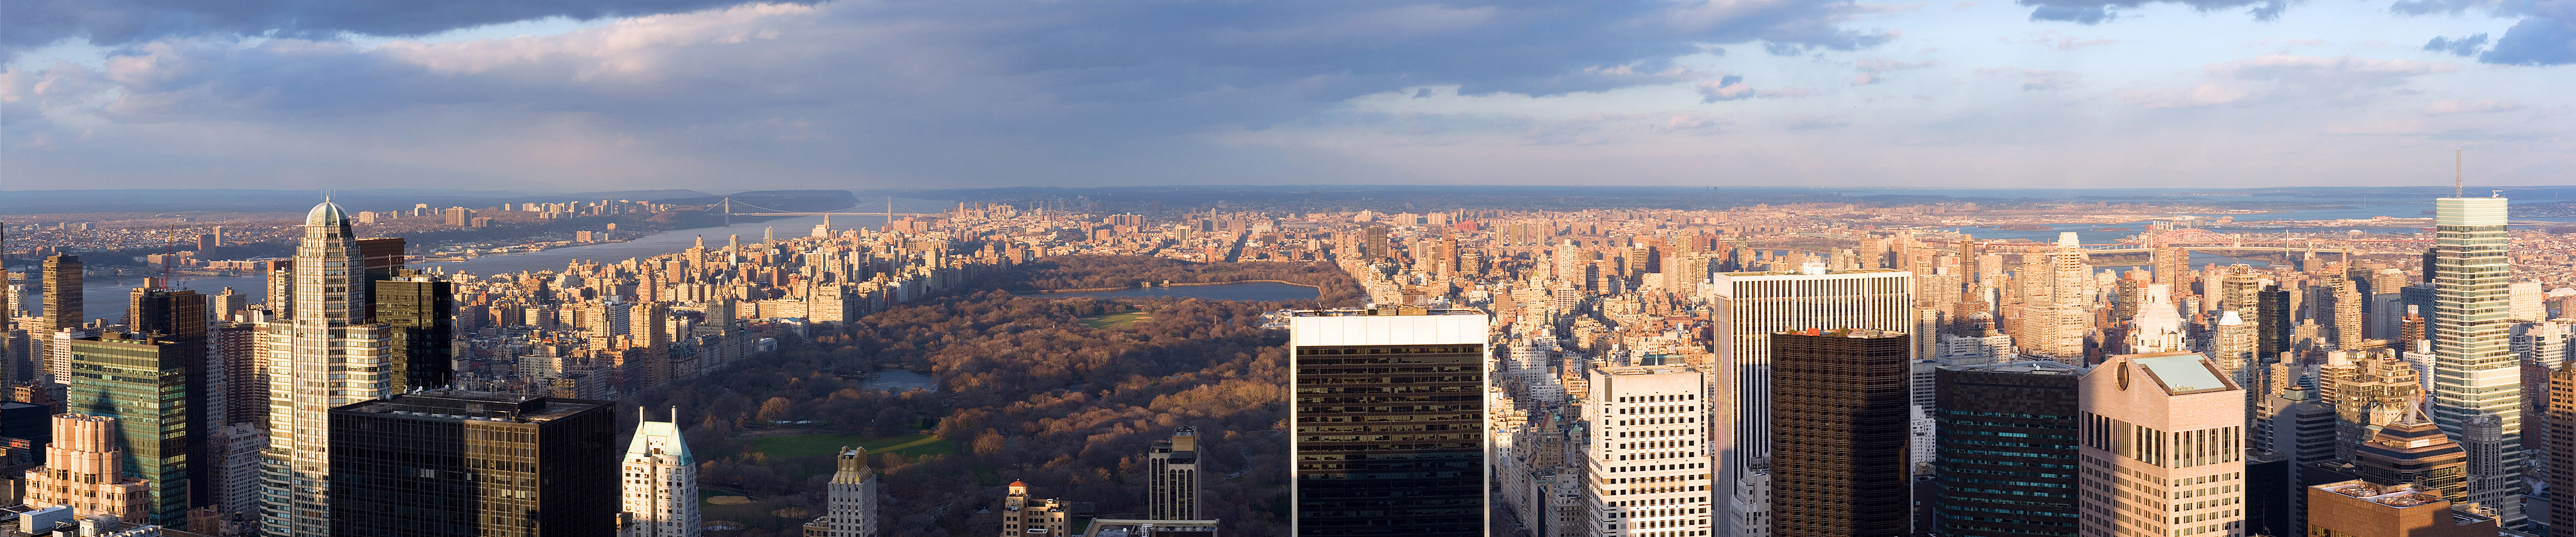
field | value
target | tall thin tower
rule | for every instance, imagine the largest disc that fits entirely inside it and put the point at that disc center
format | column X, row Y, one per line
column 325, row 355
column 661, row 481
column 2476, row 377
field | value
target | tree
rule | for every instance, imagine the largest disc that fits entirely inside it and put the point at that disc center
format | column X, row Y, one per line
column 776, row 410
column 990, row 443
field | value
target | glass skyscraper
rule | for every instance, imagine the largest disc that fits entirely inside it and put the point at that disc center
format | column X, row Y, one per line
column 1390, row 422
column 2476, row 376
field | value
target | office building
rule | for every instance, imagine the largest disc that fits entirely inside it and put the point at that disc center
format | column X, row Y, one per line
column 853, row 496
column 2006, row 448
column 419, row 313
column 232, row 474
column 1754, row 305
column 2163, row 448
column 1173, row 477
column 2476, row 392
column 324, row 354
column 1647, row 458
column 85, row 471
column 178, row 318
column 2412, row 450
column 62, row 281
column 1839, row 465
column 660, row 482
column 1390, row 422
column 2365, row 509
column 2561, row 448
column 142, row 382
column 463, row 463
column 1025, row 515
column 236, row 390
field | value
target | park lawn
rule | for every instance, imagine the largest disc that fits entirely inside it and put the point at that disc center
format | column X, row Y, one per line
column 1120, row 320
column 808, row 445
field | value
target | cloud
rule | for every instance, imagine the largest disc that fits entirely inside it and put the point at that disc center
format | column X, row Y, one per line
column 1870, row 68
column 2547, row 37
column 2039, row 79
column 2455, row 7
column 1816, row 122
column 2462, row 106
column 2465, row 46
column 1733, row 87
column 33, row 23
column 2345, row 80
column 965, row 90
column 2098, row 11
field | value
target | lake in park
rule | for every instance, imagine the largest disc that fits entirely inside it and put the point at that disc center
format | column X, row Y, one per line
column 1258, row 291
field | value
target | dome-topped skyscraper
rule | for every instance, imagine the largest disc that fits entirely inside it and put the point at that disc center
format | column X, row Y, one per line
column 338, row 357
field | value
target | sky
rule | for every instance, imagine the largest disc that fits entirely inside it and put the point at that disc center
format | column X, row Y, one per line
column 717, row 95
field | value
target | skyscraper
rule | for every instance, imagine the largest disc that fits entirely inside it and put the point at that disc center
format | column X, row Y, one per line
column 2476, row 378
column 1750, row 306
column 2163, row 453
column 143, row 383
column 853, row 496
column 62, row 279
column 661, row 482
column 1839, row 467
column 1173, row 477
column 2006, row 432
column 1389, row 416
column 322, row 356
column 178, row 318
column 420, row 313
column 1647, row 458
column 459, row 463
column 2413, row 451
column 84, row 470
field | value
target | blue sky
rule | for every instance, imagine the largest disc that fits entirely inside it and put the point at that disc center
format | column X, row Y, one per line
column 571, row 95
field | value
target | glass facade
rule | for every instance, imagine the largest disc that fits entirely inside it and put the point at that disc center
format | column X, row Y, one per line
column 421, row 314
column 456, row 463
column 1840, row 426
column 144, row 385
column 1390, row 440
column 2005, row 454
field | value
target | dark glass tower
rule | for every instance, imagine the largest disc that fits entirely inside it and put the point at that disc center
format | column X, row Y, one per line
column 2272, row 324
column 421, row 311
column 2006, row 449
column 143, row 383
column 1390, row 419
column 178, row 318
column 1839, row 420
column 461, row 463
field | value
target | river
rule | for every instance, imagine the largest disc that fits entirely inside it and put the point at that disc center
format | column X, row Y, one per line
column 106, row 298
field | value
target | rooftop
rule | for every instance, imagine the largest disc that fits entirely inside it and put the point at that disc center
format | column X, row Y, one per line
column 2035, row 367
column 453, row 404
column 2181, row 372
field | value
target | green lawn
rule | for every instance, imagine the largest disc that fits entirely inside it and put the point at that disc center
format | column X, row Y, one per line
column 1121, row 320
column 807, row 445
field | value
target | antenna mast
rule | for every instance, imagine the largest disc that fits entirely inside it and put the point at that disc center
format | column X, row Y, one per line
column 2455, row 172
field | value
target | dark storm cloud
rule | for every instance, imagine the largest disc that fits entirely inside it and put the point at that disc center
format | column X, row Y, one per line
column 32, row 23
column 2098, row 11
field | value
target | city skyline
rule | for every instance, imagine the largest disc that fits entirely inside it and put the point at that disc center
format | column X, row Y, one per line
column 583, row 96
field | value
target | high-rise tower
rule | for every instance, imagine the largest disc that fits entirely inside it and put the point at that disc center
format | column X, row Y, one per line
column 143, row 384
column 324, row 355
column 1980, row 405
column 853, row 496
column 1647, row 458
column 2162, row 451
column 661, row 482
column 1754, row 305
column 1390, row 422
column 62, row 279
column 420, row 312
column 454, row 462
column 1174, row 479
column 2476, row 378
column 1840, row 465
